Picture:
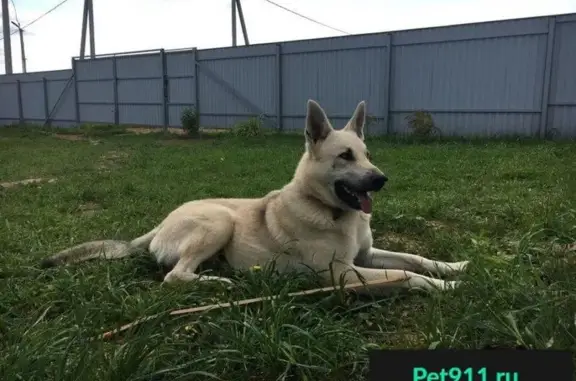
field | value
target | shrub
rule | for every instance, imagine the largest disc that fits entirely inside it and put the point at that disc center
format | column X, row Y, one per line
column 248, row 128
column 422, row 123
column 190, row 121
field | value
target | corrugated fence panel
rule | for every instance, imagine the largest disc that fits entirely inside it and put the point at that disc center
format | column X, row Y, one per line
column 473, row 81
column 66, row 109
column 96, row 69
column 181, row 90
column 475, row 123
column 95, row 92
column 96, row 113
column 32, row 93
column 141, row 114
column 337, row 78
column 376, row 40
column 181, row 84
column 32, row 101
column 175, row 114
column 95, row 84
column 180, row 64
column 252, row 77
column 181, row 95
column 140, row 89
column 37, row 76
column 562, row 112
column 8, row 103
column 140, row 66
column 483, row 30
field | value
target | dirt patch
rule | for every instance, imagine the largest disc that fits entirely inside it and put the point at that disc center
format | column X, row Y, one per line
column 88, row 209
column 177, row 142
column 564, row 248
column 111, row 160
column 148, row 130
column 405, row 339
column 438, row 225
column 399, row 242
column 70, row 137
column 39, row 180
column 77, row 138
column 184, row 140
column 114, row 156
column 175, row 131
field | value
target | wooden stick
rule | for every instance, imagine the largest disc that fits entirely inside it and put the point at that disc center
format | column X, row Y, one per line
column 193, row 310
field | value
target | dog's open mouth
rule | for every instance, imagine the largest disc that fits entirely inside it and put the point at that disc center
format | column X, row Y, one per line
column 359, row 200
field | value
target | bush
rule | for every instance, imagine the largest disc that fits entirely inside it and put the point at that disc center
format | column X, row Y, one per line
column 190, row 121
column 371, row 120
column 249, row 128
column 422, row 123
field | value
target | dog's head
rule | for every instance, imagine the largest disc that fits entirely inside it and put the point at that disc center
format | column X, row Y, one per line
column 336, row 166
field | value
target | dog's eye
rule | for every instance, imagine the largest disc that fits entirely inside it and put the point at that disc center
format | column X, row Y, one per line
column 347, row 155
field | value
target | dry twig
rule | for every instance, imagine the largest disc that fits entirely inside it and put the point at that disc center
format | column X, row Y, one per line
column 193, row 310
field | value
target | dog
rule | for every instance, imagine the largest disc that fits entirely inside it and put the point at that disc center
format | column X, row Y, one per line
column 319, row 221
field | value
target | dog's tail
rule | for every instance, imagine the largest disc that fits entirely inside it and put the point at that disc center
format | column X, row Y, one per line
column 105, row 249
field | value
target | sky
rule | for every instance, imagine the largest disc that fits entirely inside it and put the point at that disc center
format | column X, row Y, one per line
column 128, row 25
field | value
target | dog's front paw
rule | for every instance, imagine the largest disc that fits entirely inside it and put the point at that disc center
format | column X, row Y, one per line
column 210, row 278
column 457, row 267
column 451, row 284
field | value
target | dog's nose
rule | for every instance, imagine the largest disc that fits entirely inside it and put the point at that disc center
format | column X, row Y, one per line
column 378, row 182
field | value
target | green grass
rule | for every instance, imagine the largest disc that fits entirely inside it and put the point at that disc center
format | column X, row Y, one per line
column 509, row 207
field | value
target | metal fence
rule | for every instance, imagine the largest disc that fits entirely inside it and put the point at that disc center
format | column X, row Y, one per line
column 513, row 77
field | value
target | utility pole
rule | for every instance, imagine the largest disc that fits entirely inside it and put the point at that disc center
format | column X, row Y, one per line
column 237, row 6
column 87, row 21
column 242, row 23
column 6, row 32
column 22, row 50
column 233, row 22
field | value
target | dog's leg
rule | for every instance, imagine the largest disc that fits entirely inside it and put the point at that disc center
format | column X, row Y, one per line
column 384, row 259
column 184, row 271
column 397, row 279
column 203, row 237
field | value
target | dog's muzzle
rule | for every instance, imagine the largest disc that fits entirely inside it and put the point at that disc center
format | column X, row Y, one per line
column 357, row 196
column 377, row 182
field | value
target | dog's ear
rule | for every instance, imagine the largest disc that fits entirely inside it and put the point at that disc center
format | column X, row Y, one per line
column 317, row 125
column 358, row 120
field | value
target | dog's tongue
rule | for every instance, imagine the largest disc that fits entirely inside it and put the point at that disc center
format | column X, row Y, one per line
column 365, row 203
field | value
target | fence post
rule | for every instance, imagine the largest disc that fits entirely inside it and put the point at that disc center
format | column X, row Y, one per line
column 46, row 106
column 76, row 96
column 164, row 90
column 279, row 87
column 20, row 107
column 196, row 85
column 387, row 84
column 115, row 84
column 542, row 128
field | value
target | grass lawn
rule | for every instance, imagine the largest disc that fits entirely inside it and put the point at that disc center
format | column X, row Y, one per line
column 509, row 207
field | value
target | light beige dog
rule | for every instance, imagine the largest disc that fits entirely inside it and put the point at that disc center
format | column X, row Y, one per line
column 320, row 220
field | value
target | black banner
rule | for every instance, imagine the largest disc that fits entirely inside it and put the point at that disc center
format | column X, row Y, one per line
column 471, row 365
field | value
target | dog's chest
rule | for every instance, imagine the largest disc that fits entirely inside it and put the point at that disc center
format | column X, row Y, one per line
column 301, row 246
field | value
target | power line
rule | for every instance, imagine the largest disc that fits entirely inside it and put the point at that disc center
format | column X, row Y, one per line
column 15, row 12
column 305, row 17
column 45, row 14
column 39, row 17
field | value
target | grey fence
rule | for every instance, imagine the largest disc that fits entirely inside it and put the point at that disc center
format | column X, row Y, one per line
column 513, row 77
